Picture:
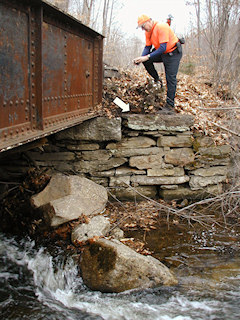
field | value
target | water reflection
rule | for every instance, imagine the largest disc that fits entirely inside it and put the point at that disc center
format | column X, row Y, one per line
column 36, row 285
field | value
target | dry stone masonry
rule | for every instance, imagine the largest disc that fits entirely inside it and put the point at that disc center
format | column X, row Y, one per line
column 133, row 155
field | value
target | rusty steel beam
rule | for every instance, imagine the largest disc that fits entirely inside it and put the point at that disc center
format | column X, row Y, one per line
column 50, row 71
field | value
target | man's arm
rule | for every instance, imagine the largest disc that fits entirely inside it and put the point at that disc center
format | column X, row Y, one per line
column 146, row 50
column 153, row 55
column 157, row 53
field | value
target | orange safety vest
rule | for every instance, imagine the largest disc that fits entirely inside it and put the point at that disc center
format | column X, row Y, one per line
column 161, row 33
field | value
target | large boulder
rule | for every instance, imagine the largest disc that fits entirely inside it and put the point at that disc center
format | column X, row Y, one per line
column 66, row 198
column 110, row 266
column 97, row 129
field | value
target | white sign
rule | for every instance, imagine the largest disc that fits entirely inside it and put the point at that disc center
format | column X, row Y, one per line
column 121, row 104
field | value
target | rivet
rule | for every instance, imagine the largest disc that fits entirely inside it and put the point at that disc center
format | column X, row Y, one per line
column 33, row 105
column 32, row 19
column 4, row 104
column 27, row 101
column 33, row 116
column 33, row 74
column 16, row 102
column 33, row 43
column 17, row 131
column 11, row 103
column 5, row 134
column 22, row 101
column 32, row 53
column 33, row 64
column 33, row 85
column 33, row 95
column 26, row 109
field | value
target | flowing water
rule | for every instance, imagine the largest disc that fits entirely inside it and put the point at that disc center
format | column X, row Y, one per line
column 37, row 285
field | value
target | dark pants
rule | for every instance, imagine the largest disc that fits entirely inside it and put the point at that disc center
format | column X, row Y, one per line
column 171, row 65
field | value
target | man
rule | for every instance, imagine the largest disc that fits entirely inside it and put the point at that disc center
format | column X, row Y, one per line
column 162, row 45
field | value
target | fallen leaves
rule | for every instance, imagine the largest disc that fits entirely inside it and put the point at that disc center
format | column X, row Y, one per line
column 195, row 95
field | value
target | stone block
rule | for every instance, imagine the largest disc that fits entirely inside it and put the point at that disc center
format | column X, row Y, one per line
column 179, row 156
column 98, row 165
column 83, row 146
column 186, row 193
column 97, row 129
column 136, row 193
column 121, row 152
column 108, row 173
column 146, row 162
column 211, row 171
column 202, row 142
column 127, row 171
column 101, row 181
column 178, row 141
column 217, row 152
column 152, row 122
column 158, row 172
column 102, row 155
column 198, row 182
column 132, row 143
column 123, row 181
column 145, row 180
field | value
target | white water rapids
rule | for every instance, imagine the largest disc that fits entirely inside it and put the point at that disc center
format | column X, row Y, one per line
column 35, row 285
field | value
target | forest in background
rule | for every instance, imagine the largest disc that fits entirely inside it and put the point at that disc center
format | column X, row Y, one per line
column 213, row 41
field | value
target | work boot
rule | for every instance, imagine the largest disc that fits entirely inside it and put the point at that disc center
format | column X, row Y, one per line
column 168, row 109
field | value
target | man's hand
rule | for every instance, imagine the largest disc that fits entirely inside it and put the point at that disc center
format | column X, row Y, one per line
column 140, row 59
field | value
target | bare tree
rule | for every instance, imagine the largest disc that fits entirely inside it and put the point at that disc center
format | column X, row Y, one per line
column 61, row 4
column 217, row 24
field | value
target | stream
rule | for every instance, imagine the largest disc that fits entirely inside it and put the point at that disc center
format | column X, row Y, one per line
column 37, row 285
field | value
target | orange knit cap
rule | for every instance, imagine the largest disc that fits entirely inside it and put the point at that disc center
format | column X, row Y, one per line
column 142, row 19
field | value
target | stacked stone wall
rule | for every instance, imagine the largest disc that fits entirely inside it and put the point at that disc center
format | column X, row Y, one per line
column 134, row 156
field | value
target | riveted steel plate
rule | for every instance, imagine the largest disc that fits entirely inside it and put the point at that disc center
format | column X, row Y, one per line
column 50, row 71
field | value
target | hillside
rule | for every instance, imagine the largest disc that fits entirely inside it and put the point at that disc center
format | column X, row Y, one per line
column 216, row 112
